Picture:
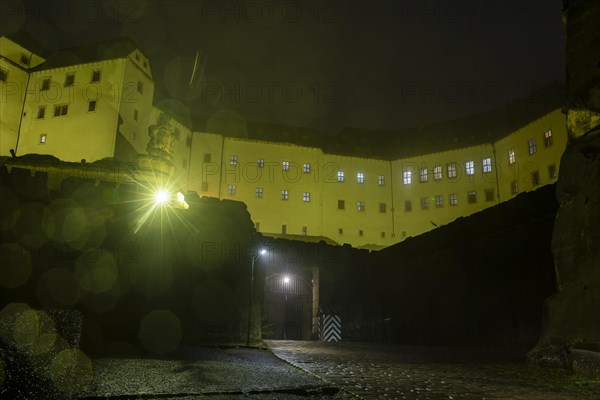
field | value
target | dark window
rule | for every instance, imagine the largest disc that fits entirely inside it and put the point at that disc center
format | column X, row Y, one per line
column 340, row 231
column 69, row 79
column 45, row 84
column 140, row 87
column 92, row 105
column 24, row 59
column 360, row 232
column 472, row 197
column 407, row 205
column 552, row 171
column 207, row 157
column 284, row 229
column 41, row 112
column 535, row 178
column 382, row 207
column 304, row 230
column 341, row 204
column 3, row 75
column 95, row 76
column 61, row 109
column 489, row 194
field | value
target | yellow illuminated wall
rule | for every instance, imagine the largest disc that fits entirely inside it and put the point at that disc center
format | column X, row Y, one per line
column 288, row 189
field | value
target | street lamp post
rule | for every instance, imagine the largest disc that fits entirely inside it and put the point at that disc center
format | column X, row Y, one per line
column 254, row 257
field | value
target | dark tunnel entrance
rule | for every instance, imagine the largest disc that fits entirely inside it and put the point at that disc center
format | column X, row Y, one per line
column 287, row 309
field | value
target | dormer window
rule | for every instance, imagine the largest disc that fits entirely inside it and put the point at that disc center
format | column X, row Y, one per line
column 24, row 59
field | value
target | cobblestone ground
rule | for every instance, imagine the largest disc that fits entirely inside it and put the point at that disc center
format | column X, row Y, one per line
column 372, row 371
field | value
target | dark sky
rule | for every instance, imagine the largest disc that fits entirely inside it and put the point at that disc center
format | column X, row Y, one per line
column 323, row 64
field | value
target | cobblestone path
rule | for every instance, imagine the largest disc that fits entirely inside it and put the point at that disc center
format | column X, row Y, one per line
column 373, row 371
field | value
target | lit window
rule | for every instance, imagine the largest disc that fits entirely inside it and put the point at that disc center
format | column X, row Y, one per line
column 45, row 84
column 535, row 178
column 304, row 230
column 360, row 177
column 231, row 189
column 437, row 172
column 43, row 138
column 439, row 201
column 3, row 75
column 260, row 163
column 306, row 168
column 487, row 165
column 306, row 196
column 69, row 79
column 285, row 165
column 140, row 87
column 489, row 194
column 382, row 207
column 95, row 76
column 423, row 177
column 451, row 170
column 361, row 205
column 92, row 106
column 341, row 204
column 424, row 203
column 532, row 146
column 135, row 115
column 284, row 195
column 340, row 176
column 548, row 141
column 511, row 156
column 381, row 180
column 41, row 112
column 470, row 168
column 472, row 197
column 259, row 192
column 407, row 177
column 233, row 159
column 514, row 187
column 453, row 199
column 407, row 205
column 61, row 109
column 552, row 171
column 207, row 157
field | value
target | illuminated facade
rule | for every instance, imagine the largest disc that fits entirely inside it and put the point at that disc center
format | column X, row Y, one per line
column 101, row 107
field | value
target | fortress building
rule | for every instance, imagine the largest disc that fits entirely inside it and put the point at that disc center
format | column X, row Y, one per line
column 367, row 189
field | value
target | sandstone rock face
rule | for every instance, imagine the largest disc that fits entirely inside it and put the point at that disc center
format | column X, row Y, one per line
column 574, row 312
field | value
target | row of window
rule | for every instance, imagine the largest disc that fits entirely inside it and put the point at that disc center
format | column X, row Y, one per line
column 63, row 109
column 304, row 231
column 532, row 146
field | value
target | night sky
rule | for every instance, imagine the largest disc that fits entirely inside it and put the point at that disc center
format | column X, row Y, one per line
column 322, row 64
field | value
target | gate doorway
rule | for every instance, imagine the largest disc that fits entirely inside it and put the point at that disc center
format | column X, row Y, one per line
column 287, row 310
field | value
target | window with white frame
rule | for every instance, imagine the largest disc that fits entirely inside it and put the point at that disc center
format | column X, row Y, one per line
column 451, row 170
column 407, row 177
column 512, row 158
column 470, row 167
column 360, row 205
column 531, row 146
column 439, row 201
column 360, row 177
column 306, row 168
column 284, row 195
column 453, row 199
column 259, row 192
column 548, row 141
column 306, row 196
column 231, row 189
column 437, row 172
column 340, row 176
column 487, row 165
column 43, row 138
column 381, row 180
column 233, row 159
column 285, row 165
column 423, row 175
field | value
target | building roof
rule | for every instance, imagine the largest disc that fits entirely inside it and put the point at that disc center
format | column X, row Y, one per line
column 400, row 143
column 105, row 50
